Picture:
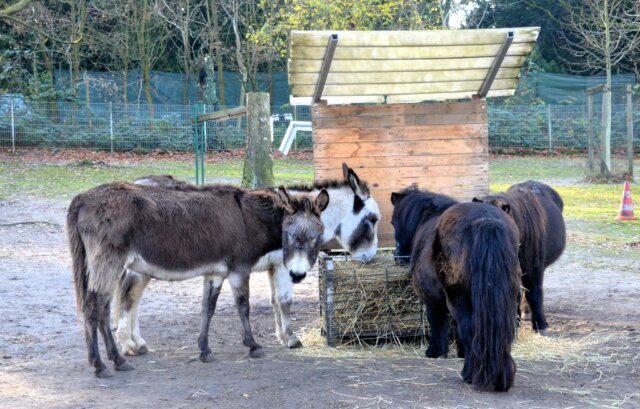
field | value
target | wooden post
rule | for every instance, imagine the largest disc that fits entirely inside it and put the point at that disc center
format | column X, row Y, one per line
column 630, row 131
column 590, row 133
column 605, row 145
column 258, row 162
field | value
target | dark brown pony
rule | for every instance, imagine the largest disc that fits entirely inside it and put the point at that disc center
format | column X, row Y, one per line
column 475, row 256
column 218, row 232
column 464, row 263
column 536, row 209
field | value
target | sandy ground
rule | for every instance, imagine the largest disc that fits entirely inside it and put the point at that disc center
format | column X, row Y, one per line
column 591, row 357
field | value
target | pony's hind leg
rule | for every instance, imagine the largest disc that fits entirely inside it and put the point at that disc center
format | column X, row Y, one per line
column 283, row 297
column 438, row 317
column 128, row 297
column 210, row 293
column 240, row 286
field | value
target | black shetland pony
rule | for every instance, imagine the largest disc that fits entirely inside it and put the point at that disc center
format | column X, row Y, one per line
column 536, row 209
column 463, row 262
column 475, row 256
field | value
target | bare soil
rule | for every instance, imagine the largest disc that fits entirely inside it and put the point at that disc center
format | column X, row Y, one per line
column 591, row 299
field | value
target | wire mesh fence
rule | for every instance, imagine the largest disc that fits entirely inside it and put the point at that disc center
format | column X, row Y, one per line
column 139, row 127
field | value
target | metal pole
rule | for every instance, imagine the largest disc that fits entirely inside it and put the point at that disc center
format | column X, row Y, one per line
column 549, row 125
column 590, row 132
column 111, row 124
column 205, row 128
column 13, row 129
column 329, row 307
column 630, row 130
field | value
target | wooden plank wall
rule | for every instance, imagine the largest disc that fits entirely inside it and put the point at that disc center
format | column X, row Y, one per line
column 441, row 147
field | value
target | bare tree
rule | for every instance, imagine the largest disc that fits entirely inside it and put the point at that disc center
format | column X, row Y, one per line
column 601, row 34
column 185, row 17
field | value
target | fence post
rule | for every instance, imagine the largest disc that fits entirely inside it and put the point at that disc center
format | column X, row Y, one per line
column 590, row 132
column 549, row 125
column 13, row 129
column 111, row 125
column 258, row 162
column 630, row 130
column 204, row 111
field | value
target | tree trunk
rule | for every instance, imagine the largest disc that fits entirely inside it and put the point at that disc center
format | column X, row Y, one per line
column 258, row 162
column 605, row 168
column 215, row 47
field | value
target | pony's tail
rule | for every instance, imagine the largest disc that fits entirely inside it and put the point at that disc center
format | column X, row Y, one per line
column 493, row 268
column 78, row 254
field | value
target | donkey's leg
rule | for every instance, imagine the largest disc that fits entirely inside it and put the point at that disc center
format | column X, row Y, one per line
column 284, row 299
column 239, row 281
column 438, row 317
column 532, row 282
column 274, row 304
column 210, row 293
column 92, row 312
column 110, row 344
column 132, row 286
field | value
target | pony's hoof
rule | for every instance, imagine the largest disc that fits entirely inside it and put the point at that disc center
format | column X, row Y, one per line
column 294, row 343
column 143, row 350
column 256, row 353
column 434, row 354
column 208, row 357
column 124, row 367
column 543, row 332
column 103, row 373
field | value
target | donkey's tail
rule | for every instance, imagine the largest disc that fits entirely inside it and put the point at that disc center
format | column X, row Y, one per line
column 494, row 274
column 78, row 253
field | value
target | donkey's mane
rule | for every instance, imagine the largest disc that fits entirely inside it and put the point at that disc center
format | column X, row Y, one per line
column 325, row 184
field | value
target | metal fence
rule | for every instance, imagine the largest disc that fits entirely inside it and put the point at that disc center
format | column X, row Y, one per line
column 137, row 127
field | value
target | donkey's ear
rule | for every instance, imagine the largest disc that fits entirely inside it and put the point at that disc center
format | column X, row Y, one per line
column 345, row 171
column 322, row 200
column 358, row 188
column 285, row 199
column 506, row 208
column 476, row 200
column 394, row 198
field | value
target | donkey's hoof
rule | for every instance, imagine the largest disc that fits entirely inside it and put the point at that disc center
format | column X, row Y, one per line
column 256, row 353
column 294, row 343
column 124, row 367
column 142, row 350
column 103, row 373
column 208, row 357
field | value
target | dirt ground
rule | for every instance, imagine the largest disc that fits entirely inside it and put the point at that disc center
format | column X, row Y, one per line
column 591, row 357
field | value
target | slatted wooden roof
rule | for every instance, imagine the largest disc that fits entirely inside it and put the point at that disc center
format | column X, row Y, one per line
column 406, row 66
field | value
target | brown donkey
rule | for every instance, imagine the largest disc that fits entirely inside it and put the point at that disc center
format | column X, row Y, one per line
column 217, row 231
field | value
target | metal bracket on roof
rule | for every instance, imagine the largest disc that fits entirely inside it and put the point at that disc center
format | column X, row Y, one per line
column 324, row 69
column 495, row 65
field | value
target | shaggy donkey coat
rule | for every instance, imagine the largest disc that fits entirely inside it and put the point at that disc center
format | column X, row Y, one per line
column 217, row 231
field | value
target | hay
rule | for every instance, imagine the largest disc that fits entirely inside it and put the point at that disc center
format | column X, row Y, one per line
column 370, row 302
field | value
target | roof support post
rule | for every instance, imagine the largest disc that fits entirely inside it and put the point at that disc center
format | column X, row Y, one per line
column 495, row 65
column 324, row 69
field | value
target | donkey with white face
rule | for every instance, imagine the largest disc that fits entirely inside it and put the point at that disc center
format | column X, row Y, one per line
column 218, row 232
column 351, row 217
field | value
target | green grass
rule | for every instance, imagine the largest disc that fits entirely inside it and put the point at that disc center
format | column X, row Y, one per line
column 65, row 181
column 590, row 209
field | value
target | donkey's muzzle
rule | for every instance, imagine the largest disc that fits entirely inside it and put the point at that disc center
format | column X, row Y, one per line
column 297, row 277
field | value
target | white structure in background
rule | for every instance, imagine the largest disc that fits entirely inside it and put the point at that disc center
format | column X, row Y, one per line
column 290, row 134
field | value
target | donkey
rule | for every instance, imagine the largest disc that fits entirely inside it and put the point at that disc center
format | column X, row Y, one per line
column 217, row 231
column 536, row 209
column 351, row 217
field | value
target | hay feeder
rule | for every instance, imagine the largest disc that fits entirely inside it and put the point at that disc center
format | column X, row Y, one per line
column 373, row 302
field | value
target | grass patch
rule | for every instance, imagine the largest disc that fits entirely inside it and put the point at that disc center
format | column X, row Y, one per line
column 65, row 181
